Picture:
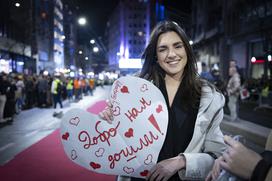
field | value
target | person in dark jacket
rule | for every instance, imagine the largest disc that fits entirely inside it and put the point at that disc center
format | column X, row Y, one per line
column 42, row 89
column 3, row 98
column 9, row 110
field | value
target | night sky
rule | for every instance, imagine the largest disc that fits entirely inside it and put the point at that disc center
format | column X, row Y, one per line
column 97, row 12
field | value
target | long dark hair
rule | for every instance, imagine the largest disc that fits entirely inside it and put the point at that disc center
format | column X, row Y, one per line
column 191, row 84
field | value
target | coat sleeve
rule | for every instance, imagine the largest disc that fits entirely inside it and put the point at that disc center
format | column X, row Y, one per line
column 198, row 165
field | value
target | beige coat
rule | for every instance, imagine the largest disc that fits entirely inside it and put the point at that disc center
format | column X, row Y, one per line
column 268, row 146
column 234, row 85
column 207, row 136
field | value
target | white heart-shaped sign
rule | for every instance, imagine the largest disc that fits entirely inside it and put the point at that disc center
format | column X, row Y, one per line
column 131, row 145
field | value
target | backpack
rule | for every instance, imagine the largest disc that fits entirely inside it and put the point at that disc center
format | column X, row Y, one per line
column 59, row 88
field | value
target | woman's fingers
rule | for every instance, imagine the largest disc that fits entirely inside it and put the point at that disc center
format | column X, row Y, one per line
column 209, row 177
column 106, row 114
column 109, row 104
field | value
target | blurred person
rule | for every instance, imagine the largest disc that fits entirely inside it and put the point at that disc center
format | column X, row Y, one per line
column 69, row 88
column 42, row 86
column 233, row 90
column 233, row 63
column 29, row 90
column 9, row 110
column 20, row 93
column 189, row 149
column 49, row 100
column 92, row 85
column 56, row 92
column 243, row 162
column 77, row 88
column 35, row 93
column 83, row 86
column 3, row 98
column 205, row 73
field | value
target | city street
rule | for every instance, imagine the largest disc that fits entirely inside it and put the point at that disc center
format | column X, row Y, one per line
column 54, row 50
column 260, row 116
column 247, row 111
column 32, row 125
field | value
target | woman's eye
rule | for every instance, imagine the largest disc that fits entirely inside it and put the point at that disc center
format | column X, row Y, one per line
column 162, row 50
column 179, row 46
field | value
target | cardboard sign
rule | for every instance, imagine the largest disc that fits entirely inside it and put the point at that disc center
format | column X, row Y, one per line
column 131, row 145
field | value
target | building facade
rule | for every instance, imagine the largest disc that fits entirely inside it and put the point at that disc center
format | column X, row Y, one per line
column 233, row 29
column 32, row 36
column 16, row 53
column 70, row 34
column 58, row 45
column 128, row 34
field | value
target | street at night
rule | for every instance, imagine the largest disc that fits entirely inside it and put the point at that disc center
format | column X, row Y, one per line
column 184, row 89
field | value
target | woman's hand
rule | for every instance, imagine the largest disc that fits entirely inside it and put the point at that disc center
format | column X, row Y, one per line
column 214, row 173
column 106, row 114
column 166, row 168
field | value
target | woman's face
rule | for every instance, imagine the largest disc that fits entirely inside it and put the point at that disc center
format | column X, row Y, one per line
column 171, row 54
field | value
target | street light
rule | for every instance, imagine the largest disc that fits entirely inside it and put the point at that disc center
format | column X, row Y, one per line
column 253, row 59
column 269, row 58
column 92, row 41
column 82, row 21
column 95, row 49
column 17, row 5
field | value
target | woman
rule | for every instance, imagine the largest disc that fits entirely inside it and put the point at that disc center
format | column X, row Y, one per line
column 193, row 138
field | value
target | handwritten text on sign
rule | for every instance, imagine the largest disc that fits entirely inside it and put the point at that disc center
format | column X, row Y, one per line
column 131, row 145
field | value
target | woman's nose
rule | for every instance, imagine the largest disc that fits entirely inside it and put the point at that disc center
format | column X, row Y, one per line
column 171, row 53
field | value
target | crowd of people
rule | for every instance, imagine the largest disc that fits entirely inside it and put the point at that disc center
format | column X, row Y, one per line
column 20, row 92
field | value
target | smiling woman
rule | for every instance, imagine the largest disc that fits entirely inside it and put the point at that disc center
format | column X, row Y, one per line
column 171, row 54
column 195, row 108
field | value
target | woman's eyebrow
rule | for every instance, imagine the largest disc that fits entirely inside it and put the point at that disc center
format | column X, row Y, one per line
column 175, row 44
column 162, row 46
column 178, row 43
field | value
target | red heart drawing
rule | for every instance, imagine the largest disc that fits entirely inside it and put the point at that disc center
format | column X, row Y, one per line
column 129, row 133
column 148, row 159
column 73, row 154
column 144, row 173
column 100, row 152
column 159, row 109
column 144, row 88
column 65, row 136
column 124, row 89
column 116, row 111
column 74, row 121
column 95, row 165
column 128, row 170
